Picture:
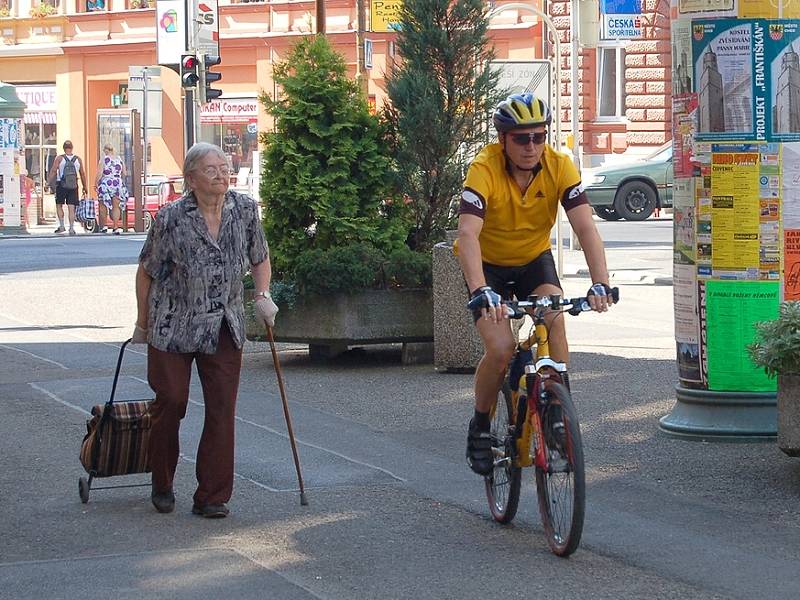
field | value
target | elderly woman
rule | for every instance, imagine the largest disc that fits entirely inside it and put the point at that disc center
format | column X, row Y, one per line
column 189, row 298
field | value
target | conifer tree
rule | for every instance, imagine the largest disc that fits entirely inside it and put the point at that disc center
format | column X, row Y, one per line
column 442, row 93
column 326, row 166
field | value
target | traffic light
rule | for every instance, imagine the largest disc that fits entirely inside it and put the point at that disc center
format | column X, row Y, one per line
column 207, row 93
column 190, row 71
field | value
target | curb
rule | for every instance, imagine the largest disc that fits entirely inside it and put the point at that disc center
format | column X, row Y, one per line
column 630, row 276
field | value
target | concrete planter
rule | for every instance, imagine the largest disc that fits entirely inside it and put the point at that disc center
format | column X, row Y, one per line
column 330, row 324
column 789, row 414
column 457, row 347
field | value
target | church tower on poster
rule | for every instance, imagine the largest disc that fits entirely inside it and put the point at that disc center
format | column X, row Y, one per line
column 710, row 95
column 786, row 112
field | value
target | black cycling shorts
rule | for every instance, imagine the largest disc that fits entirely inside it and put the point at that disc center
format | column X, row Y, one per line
column 519, row 282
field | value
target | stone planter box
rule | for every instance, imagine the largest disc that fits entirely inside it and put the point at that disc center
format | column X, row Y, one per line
column 789, row 414
column 329, row 325
column 457, row 347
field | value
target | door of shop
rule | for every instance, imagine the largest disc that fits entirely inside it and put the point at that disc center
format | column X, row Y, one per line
column 40, row 152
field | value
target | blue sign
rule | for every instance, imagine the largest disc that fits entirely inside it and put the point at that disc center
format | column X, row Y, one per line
column 621, row 7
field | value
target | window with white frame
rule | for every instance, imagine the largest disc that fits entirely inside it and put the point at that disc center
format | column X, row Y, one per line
column 610, row 82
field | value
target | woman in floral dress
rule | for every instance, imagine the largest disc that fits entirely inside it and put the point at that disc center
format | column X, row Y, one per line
column 111, row 191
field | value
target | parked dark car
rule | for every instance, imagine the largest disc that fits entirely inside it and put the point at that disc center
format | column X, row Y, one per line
column 632, row 190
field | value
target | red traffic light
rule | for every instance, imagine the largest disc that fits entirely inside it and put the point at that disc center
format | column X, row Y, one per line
column 189, row 70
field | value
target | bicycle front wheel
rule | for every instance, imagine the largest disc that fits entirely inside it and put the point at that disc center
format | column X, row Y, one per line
column 561, row 487
column 503, row 483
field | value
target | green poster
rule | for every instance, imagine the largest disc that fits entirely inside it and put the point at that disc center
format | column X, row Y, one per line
column 732, row 308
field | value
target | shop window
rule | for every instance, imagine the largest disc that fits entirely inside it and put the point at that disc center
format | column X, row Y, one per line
column 133, row 4
column 6, row 8
column 95, row 5
column 610, row 82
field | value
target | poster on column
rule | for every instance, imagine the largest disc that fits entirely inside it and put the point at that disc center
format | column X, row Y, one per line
column 735, row 211
column 768, row 9
column 707, row 8
column 729, row 79
column 769, row 194
column 702, row 320
column 790, row 185
column 732, row 309
column 687, row 326
column 683, row 211
column 783, row 64
column 703, row 215
column 791, row 261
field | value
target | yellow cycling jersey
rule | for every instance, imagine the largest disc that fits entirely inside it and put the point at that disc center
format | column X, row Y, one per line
column 516, row 226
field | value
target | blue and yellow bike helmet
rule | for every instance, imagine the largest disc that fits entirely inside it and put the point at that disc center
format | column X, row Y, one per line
column 519, row 111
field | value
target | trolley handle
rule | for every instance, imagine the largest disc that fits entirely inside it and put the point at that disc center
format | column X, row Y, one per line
column 116, row 373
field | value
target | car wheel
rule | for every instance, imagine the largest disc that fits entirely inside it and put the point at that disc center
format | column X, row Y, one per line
column 607, row 212
column 635, row 201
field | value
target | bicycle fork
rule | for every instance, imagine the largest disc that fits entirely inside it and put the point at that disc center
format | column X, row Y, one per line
column 529, row 422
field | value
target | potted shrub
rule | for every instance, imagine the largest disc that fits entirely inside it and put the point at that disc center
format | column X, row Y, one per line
column 777, row 349
column 337, row 234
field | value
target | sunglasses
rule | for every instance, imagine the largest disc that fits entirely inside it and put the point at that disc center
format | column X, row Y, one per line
column 523, row 139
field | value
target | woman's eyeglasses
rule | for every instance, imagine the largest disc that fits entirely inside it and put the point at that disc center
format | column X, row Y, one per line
column 212, row 171
column 523, row 139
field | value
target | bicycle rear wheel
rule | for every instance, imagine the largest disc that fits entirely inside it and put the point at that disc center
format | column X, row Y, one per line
column 503, row 484
column 562, row 487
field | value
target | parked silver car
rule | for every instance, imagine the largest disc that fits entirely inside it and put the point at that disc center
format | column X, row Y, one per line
column 632, row 190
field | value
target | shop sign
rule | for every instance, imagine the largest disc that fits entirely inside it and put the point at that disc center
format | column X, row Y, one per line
column 37, row 97
column 243, row 110
column 207, row 32
column 621, row 19
column 170, row 31
column 385, row 15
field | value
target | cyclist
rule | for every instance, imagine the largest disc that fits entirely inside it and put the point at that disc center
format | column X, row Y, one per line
column 508, row 208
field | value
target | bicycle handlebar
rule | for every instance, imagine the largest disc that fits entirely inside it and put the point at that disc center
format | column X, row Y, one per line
column 516, row 308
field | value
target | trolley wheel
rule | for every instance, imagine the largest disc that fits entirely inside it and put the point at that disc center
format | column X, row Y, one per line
column 561, row 488
column 503, row 483
column 83, row 489
column 91, row 226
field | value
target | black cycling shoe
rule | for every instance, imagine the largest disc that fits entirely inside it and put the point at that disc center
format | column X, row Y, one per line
column 480, row 457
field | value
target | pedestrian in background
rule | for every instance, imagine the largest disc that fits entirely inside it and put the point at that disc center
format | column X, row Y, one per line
column 111, row 190
column 63, row 177
column 190, row 309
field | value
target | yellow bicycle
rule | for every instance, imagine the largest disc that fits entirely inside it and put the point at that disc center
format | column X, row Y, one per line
column 534, row 423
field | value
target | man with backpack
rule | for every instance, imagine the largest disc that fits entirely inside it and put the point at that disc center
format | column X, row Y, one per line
column 64, row 174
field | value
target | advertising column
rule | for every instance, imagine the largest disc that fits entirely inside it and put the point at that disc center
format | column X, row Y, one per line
column 11, row 113
column 736, row 147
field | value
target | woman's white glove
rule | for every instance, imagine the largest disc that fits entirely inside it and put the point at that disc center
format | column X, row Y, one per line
column 266, row 310
column 139, row 335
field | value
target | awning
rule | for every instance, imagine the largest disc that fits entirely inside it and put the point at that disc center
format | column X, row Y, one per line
column 35, row 116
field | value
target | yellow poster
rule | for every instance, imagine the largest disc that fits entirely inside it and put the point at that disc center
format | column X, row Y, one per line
column 735, row 213
column 768, row 9
column 385, row 15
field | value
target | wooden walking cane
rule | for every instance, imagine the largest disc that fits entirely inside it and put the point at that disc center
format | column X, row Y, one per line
column 279, row 374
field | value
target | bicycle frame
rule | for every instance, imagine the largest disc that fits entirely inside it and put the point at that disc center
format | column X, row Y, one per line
column 535, row 374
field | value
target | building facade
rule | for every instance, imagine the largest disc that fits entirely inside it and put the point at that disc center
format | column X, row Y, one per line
column 70, row 60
